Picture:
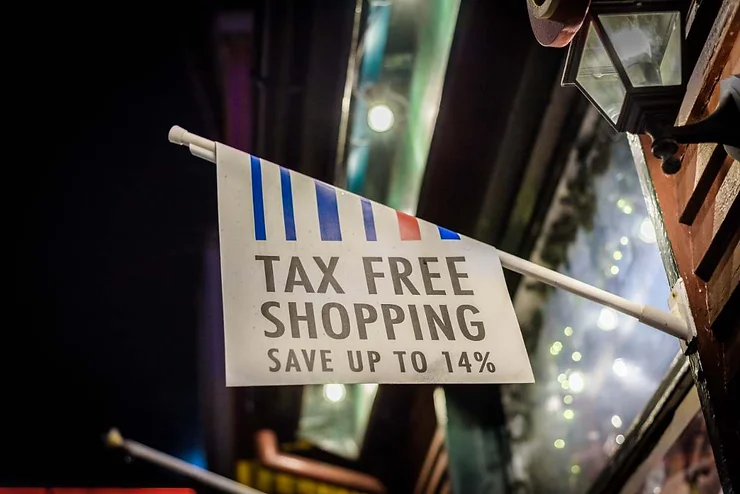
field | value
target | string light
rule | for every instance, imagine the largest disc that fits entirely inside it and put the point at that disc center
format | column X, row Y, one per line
column 380, row 118
column 607, row 320
column 568, row 399
column 614, row 270
column 568, row 331
column 576, row 382
column 568, row 414
column 334, row 392
column 576, row 356
column 617, row 421
column 619, row 367
column 617, row 255
column 624, row 240
column 624, row 206
column 559, row 443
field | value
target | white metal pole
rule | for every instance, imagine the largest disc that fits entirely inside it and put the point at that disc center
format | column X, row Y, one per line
column 656, row 318
column 138, row 450
column 199, row 146
column 651, row 316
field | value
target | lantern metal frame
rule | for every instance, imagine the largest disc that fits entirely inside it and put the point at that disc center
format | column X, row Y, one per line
column 653, row 109
column 643, row 106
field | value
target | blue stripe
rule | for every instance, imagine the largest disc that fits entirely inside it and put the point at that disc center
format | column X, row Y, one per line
column 326, row 199
column 368, row 219
column 446, row 234
column 288, row 215
column 258, row 204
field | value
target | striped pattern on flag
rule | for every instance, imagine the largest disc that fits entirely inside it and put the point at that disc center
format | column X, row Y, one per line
column 327, row 211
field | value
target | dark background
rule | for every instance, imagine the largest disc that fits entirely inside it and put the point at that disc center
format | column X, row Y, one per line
column 108, row 220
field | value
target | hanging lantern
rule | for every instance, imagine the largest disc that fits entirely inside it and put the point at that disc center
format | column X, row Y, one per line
column 628, row 60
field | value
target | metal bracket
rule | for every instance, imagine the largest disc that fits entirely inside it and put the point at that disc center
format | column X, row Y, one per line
column 717, row 127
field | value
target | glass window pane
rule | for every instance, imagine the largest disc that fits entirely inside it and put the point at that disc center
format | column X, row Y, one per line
column 598, row 77
column 334, row 417
column 687, row 466
column 596, row 368
column 649, row 46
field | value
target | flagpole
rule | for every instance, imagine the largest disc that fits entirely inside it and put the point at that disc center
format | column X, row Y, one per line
column 138, row 450
column 651, row 316
column 199, row 146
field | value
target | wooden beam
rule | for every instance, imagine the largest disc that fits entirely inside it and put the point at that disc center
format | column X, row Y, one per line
column 705, row 246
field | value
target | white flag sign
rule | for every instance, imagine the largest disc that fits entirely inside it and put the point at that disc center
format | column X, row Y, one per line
column 323, row 286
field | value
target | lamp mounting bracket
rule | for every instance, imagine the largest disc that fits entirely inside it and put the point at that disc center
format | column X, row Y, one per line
column 722, row 127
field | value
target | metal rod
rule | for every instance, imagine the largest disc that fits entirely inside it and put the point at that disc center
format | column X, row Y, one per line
column 138, row 450
column 651, row 316
column 178, row 135
column 656, row 318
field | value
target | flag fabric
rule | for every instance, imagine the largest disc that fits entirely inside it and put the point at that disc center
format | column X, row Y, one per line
column 323, row 286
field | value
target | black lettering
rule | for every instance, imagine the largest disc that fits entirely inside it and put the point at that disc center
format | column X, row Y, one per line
column 364, row 320
column 269, row 272
column 418, row 362
column 295, row 319
column 326, row 360
column 443, row 323
column 272, row 355
column 354, row 367
column 328, row 275
column 427, row 276
column 415, row 322
column 309, row 358
column 292, row 362
column 279, row 326
column 297, row 276
column 401, row 276
column 476, row 324
column 373, row 358
column 389, row 320
column 343, row 317
column 370, row 275
column 456, row 276
column 401, row 364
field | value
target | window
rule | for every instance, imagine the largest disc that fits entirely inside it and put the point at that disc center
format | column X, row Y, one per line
column 596, row 369
column 334, row 417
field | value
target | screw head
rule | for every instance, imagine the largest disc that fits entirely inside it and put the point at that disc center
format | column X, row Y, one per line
column 670, row 165
column 663, row 148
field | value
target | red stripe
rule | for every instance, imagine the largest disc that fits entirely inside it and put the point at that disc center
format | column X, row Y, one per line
column 408, row 226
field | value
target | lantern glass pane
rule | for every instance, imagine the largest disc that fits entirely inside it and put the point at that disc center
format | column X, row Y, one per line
column 648, row 45
column 598, row 77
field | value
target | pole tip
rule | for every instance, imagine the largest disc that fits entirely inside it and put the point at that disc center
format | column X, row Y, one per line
column 176, row 135
column 114, row 439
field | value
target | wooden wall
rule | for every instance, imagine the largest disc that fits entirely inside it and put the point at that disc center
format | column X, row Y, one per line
column 701, row 216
